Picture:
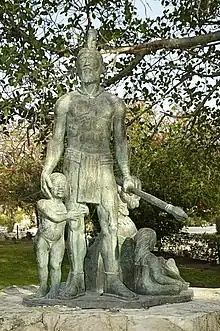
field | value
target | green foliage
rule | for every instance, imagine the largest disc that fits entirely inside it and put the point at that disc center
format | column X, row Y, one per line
column 12, row 216
column 197, row 246
column 39, row 44
column 217, row 222
column 40, row 40
column 4, row 220
column 178, row 168
column 20, row 169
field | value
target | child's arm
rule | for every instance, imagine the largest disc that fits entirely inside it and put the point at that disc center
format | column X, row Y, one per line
column 47, row 212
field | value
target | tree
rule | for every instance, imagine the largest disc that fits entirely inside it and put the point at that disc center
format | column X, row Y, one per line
column 173, row 56
column 180, row 170
column 20, row 168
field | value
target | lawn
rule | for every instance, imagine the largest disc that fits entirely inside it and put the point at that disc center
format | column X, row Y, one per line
column 201, row 277
column 18, row 264
column 18, row 267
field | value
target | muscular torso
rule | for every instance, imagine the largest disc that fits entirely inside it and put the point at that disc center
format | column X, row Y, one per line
column 89, row 122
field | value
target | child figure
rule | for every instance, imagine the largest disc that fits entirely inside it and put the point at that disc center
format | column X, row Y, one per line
column 49, row 240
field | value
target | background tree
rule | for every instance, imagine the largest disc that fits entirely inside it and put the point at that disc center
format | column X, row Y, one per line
column 170, row 62
column 20, row 169
column 179, row 170
column 174, row 56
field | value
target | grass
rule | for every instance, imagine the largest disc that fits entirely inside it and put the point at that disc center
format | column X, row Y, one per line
column 201, row 277
column 18, row 267
column 18, row 264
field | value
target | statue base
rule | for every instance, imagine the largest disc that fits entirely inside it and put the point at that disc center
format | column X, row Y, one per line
column 92, row 300
column 200, row 314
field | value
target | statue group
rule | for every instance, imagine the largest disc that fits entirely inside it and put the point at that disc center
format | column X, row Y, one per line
column 120, row 262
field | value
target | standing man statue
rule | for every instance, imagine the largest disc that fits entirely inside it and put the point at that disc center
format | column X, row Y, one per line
column 89, row 116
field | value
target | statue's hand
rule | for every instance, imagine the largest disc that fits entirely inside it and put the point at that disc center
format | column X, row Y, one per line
column 128, row 184
column 46, row 184
column 73, row 215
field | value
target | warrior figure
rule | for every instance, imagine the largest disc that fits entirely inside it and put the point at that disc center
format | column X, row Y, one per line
column 89, row 116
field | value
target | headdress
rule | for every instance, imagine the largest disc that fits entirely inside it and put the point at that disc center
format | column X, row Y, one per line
column 90, row 47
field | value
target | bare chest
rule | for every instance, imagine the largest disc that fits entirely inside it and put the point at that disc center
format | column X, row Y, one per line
column 90, row 114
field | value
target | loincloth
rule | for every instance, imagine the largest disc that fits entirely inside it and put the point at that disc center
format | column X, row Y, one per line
column 89, row 174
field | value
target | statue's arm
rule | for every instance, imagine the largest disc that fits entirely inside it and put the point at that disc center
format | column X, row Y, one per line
column 120, row 138
column 55, row 146
column 157, row 273
column 172, row 274
column 159, row 278
column 47, row 212
column 121, row 147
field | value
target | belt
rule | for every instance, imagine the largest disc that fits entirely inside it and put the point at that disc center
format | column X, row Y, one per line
column 77, row 156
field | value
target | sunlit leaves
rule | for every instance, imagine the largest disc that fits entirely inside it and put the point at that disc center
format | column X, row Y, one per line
column 40, row 39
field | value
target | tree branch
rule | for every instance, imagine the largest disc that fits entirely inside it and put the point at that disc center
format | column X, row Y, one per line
column 157, row 126
column 202, row 104
column 146, row 108
column 169, row 44
column 125, row 72
column 213, row 75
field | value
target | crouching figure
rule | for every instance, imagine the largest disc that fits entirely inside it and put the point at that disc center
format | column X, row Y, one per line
column 154, row 275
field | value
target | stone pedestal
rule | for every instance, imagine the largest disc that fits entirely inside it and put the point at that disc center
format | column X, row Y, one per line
column 93, row 300
column 200, row 314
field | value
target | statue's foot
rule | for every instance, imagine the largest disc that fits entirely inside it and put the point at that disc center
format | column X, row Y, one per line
column 53, row 293
column 116, row 288
column 185, row 286
column 41, row 292
column 74, row 288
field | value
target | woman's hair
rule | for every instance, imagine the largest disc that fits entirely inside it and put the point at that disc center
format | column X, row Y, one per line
column 145, row 240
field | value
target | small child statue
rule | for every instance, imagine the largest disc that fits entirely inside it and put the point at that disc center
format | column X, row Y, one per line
column 49, row 240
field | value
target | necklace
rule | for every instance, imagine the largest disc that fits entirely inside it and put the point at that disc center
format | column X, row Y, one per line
column 91, row 95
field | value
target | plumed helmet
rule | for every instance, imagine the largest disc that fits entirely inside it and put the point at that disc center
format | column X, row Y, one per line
column 90, row 49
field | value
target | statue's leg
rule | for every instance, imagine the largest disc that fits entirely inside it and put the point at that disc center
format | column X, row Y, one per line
column 42, row 252
column 56, row 258
column 94, row 271
column 76, row 246
column 108, row 218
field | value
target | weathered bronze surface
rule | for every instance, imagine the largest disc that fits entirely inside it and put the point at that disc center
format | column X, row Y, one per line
column 120, row 263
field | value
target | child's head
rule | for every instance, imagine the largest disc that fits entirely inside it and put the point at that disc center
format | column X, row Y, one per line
column 59, row 185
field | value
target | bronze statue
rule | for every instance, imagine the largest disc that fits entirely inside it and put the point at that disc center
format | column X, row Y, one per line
column 154, row 275
column 86, row 120
column 49, row 240
column 89, row 116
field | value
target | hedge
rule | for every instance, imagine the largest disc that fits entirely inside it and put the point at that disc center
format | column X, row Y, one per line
column 197, row 246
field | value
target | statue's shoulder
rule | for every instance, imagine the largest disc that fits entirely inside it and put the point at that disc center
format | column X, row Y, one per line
column 62, row 104
column 113, row 98
column 43, row 203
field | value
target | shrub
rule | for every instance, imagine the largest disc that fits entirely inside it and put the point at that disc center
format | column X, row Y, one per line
column 196, row 246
